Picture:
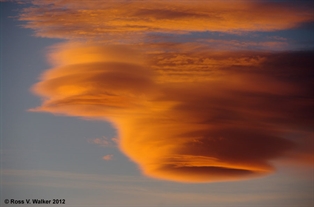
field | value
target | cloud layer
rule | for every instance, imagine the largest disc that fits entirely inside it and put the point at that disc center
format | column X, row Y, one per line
column 116, row 21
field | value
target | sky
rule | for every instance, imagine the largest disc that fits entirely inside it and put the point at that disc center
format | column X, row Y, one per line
column 157, row 103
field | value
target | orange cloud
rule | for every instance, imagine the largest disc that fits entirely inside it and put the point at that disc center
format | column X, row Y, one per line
column 107, row 157
column 187, row 112
column 104, row 141
column 225, row 125
column 119, row 21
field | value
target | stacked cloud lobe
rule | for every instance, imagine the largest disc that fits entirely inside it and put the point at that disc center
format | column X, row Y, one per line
column 185, row 108
column 227, row 127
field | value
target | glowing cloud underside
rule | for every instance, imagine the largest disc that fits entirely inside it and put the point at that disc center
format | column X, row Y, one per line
column 184, row 111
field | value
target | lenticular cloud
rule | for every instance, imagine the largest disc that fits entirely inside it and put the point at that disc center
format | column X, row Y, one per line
column 186, row 107
column 227, row 127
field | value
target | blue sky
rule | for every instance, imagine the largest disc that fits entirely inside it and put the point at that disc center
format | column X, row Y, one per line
column 66, row 152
